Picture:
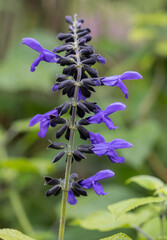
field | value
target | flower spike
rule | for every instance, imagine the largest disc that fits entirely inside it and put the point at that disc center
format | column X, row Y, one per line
column 78, row 81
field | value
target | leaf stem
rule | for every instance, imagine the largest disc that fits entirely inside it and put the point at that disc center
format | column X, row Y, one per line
column 71, row 139
column 20, row 212
column 140, row 230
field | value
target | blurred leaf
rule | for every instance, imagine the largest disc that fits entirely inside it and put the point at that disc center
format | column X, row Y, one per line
column 3, row 135
column 118, row 236
column 161, row 48
column 148, row 182
column 92, row 203
column 144, row 137
column 12, row 234
column 105, row 221
column 37, row 166
column 20, row 126
column 19, row 61
column 123, row 207
column 142, row 34
column 152, row 19
column 153, row 228
column 161, row 191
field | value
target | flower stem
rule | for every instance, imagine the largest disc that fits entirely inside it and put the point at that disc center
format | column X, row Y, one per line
column 71, row 139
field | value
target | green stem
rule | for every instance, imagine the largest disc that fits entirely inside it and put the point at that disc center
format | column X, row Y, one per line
column 71, row 140
column 162, row 225
column 20, row 213
column 140, row 230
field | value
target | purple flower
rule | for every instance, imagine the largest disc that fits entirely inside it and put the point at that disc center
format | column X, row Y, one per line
column 45, row 55
column 117, row 80
column 92, row 182
column 108, row 148
column 80, row 96
column 44, row 120
column 55, row 87
column 101, row 59
column 96, row 138
column 71, row 198
column 102, row 116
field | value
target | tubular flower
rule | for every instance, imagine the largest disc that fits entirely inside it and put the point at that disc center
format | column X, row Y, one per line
column 108, row 149
column 92, row 182
column 117, row 80
column 45, row 121
column 102, row 116
column 71, row 198
column 45, row 55
column 96, row 138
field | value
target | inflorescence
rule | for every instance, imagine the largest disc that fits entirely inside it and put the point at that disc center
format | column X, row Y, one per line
column 78, row 81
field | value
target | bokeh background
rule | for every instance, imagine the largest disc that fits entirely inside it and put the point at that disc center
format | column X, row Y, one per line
column 131, row 35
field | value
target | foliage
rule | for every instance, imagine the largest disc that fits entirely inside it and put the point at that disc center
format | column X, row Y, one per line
column 148, row 182
column 119, row 236
column 135, row 38
column 119, row 216
column 11, row 234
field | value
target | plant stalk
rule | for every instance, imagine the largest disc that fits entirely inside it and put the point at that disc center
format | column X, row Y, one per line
column 20, row 213
column 71, row 139
column 140, row 230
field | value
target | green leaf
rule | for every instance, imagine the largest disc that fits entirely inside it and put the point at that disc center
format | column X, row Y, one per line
column 123, row 207
column 161, row 48
column 152, row 19
column 32, row 81
column 153, row 228
column 144, row 138
column 93, row 203
column 30, row 165
column 12, row 234
column 105, row 221
column 145, row 181
column 118, row 236
column 161, row 191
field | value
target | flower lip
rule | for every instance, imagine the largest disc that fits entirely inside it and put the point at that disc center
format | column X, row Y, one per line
column 92, row 182
column 108, row 148
column 44, row 120
column 102, row 116
column 116, row 80
column 45, row 55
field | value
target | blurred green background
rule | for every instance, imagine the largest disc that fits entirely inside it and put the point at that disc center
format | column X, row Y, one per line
column 131, row 35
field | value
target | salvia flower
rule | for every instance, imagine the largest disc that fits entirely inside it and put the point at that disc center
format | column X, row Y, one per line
column 45, row 121
column 116, row 80
column 92, row 182
column 45, row 55
column 96, row 138
column 77, row 82
column 102, row 116
column 108, row 148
